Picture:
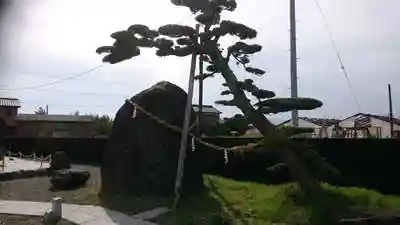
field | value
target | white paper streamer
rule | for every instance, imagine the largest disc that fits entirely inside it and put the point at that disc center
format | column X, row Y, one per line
column 193, row 144
column 134, row 113
column 226, row 156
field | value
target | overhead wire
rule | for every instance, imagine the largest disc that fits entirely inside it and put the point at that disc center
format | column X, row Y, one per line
column 83, row 73
column 35, row 103
column 117, row 82
column 79, row 93
column 338, row 55
column 63, row 79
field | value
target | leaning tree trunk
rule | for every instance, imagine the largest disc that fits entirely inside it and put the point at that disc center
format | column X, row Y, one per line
column 309, row 186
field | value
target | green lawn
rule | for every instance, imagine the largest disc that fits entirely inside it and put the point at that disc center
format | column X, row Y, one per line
column 234, row 202
column 225, row 201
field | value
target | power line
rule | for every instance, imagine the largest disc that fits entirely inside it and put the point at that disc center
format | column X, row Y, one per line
column 83, row 73
column 342, row 67
column 78, row 93
column 73, row 76
column 62, row 77
column 34, row 103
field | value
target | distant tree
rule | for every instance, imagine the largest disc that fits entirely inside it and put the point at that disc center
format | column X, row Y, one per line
column 76, row 113
column 236, row 126
column 102, row 125
column 40, row 111
column 179, row 40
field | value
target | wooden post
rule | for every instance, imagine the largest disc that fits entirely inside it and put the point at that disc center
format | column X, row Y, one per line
column 200, row 112
column 293, row 61
column 186, row 124
column 390, row 111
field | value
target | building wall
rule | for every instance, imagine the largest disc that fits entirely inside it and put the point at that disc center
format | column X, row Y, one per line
column 210, row 119
column 378, row 129
column 317, row 129
column 8, row 111
column 9, row 114
column 53, row 129
column 385, row 127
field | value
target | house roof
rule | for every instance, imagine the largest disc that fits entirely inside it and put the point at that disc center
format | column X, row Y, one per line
column 317, row 121
column 379, row 117
column 53, row 118
column 10, row 102
column 206, row 109
column 320, row 121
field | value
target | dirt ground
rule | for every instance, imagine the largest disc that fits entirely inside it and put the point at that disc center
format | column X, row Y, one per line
column 6, row 219
column 38, row 189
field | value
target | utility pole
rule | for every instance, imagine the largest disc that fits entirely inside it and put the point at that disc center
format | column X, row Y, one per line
column 200, row 112
column 390, row 111
column 293, row 60
column 47, row 109
column 186, row 124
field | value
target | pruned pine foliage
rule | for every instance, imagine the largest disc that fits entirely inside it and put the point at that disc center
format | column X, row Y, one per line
column 181, row 41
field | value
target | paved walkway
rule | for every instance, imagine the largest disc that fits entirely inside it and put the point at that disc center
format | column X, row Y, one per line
column 15, row 164
column 79, row 214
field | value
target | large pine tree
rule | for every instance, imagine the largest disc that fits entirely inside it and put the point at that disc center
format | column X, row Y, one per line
column 181, row 41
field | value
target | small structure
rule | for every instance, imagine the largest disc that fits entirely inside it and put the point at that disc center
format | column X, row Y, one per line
column 33, row 125
column 210, row 115
column 363, row 125
column 54, row 215
column 8, row 112
column 322, row 127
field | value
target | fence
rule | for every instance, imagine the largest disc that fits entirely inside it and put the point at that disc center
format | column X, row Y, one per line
column 29, row 157
column 370, row 163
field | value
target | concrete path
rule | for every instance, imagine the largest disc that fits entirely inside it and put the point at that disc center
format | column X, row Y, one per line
column 147, row 215
column 13, row 164
column 79, row 214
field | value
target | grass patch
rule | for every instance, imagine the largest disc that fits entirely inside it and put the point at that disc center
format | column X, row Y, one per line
column 226, row 201
column 235, row 202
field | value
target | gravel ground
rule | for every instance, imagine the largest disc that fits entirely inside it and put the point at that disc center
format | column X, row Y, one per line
column 7, row 219
column 38, row 189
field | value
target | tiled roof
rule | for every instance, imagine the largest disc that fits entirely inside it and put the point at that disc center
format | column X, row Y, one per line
column 53, row 118
column 10, row 102
column 320, row 121
column 383, row 118
column 206, row 109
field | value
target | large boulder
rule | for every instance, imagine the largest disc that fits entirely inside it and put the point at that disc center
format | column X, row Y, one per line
column 59, row 161
column 142, row 155
column 69, row 178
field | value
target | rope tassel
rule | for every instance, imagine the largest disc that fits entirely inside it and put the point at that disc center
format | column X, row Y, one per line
column 226, row 156
column 193, row 144
column 134, row 112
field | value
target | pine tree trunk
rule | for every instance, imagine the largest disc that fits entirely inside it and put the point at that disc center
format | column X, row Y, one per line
column 309, row 186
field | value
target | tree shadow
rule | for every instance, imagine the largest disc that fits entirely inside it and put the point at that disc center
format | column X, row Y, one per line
column 199, row 208
column 231, row 210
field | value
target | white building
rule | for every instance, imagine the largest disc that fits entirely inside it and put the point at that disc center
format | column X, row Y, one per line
column 322, row 127
column 364, row 125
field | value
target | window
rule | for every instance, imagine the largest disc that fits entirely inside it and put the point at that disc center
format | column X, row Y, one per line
column 379, row 132
column 8, row 112
column 376, row 132
column 396, row 134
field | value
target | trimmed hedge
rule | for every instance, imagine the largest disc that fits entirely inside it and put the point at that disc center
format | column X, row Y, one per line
column 369, row 163
column 79, row 150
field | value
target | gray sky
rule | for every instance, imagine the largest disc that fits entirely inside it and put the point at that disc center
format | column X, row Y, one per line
column 45, row 40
